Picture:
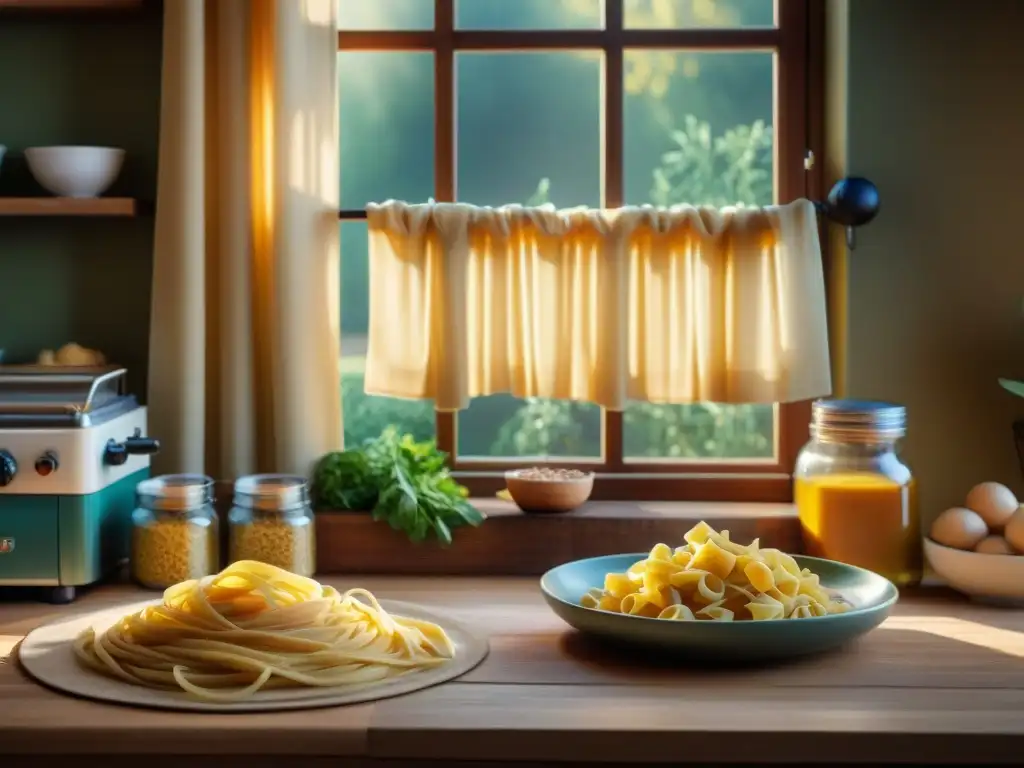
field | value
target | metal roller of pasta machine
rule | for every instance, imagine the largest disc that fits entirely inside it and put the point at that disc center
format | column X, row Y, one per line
column 73, row 446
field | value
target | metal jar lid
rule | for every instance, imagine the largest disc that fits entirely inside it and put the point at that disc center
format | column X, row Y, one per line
column 271, row 492
column 175, row 492
column 858, row 420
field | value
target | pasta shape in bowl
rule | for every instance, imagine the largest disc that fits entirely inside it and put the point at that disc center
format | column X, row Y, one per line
column 712, row 596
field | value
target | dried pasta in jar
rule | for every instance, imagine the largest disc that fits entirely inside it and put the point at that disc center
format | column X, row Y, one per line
column 286, row 544
column 174, row 531
column 272, row 522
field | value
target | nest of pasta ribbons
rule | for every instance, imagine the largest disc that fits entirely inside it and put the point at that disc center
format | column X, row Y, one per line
column 255, row 626
column 712, row 578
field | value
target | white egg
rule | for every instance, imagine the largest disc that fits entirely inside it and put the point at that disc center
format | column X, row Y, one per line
column 994, row 545
column 994, row 502
column 959, row 528
column 1014, row 532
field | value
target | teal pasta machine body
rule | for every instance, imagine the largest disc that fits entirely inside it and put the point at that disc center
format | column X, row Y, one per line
column 72, row 450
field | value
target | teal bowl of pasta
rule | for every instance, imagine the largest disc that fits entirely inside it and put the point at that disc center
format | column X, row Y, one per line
column 804, row 606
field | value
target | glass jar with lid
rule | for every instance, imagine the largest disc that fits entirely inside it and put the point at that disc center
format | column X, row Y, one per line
column 272, row 521
column 856, row 498
column 174, row 531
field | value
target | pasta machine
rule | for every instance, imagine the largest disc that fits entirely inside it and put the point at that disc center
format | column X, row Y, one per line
column 73, row 446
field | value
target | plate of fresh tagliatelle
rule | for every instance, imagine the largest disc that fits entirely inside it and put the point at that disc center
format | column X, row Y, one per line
column 714, row 598
column 251, row 638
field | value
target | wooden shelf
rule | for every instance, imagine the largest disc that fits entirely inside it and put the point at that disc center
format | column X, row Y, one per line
column 68, row 206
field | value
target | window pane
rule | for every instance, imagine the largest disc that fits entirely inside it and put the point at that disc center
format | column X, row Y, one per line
column 529, row 14
column 366, row 417
column 698, row 129
column 690, row 14
column 387, row 127
column 529, row 128
column 700, row 431
column 505, row 427
column 549, row 152
column 386, row 15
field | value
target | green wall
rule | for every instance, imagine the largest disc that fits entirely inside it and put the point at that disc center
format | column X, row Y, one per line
column 934, row 115
column 78, row 80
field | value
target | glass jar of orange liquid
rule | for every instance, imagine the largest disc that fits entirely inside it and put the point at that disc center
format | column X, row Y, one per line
column 856, row 499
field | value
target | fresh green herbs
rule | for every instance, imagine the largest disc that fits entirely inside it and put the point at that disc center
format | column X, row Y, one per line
column 406, row 484
column 345, row 480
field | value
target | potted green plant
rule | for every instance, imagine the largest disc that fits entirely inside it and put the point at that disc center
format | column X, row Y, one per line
column 398, row 481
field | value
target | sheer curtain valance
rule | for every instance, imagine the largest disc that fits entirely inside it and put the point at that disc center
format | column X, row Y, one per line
column 675, row 305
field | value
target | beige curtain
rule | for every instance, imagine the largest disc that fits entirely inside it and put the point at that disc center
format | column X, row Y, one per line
column 243, row 356
column 667, row 306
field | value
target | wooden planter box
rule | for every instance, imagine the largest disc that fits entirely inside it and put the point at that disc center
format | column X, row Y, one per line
column 513, row 543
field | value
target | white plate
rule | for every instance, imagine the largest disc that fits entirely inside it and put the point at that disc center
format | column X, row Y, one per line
column 47, row 655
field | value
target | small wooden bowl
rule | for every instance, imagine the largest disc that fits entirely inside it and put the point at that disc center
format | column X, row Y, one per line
column 543, row 495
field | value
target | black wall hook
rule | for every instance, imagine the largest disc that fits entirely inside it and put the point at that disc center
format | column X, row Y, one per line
column 852, row 202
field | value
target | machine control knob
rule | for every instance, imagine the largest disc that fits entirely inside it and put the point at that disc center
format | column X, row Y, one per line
column 8, row 468
column 47, row 464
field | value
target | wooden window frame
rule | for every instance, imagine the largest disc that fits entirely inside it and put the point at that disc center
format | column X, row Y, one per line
column 796, row 42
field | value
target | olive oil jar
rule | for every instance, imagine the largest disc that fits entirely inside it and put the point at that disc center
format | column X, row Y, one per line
column 271, row 521
column 856, row 497
column 174, row 531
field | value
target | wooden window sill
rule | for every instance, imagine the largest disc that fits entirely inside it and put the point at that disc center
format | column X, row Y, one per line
column 517, row 544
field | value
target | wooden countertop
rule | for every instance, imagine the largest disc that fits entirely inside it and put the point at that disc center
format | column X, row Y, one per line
column 942, row 681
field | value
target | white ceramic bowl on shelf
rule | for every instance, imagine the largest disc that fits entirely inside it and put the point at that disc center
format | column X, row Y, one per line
column 75, row 171
column 991, row 578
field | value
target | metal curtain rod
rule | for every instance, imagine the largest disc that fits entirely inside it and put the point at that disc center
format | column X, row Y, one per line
column 852, row 202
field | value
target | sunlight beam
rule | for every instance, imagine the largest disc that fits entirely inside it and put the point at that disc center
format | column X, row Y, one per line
column 973, row 633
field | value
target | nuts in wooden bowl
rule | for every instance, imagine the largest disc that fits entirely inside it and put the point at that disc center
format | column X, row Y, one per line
column 549, row 489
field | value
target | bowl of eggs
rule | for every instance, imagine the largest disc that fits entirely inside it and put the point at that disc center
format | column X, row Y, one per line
column 978, row 549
